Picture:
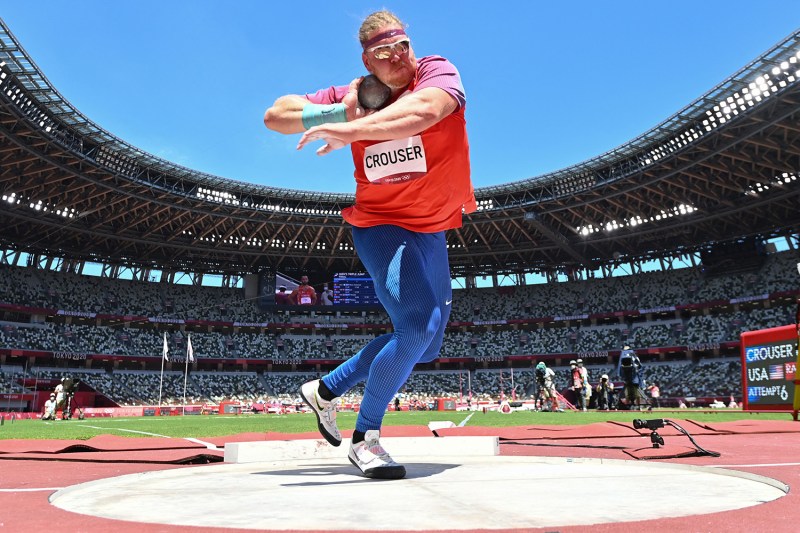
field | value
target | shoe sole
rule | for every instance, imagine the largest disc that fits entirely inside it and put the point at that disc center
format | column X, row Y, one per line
column 382, row 472
column 324, row 432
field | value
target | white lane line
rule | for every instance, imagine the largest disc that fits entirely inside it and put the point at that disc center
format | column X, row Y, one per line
column 142, row 433
column 126, row 430
column 208, row 445
column 464, row 422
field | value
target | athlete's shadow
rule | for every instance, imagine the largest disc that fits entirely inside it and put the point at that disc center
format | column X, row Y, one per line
column 327, row 474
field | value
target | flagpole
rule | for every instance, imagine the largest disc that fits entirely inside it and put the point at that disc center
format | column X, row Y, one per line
column 513, row 389
column 502, row 392
column 186, row 369
column 161, row 382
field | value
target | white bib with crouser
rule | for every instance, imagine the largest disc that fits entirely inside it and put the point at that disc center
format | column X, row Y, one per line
column 395, row 161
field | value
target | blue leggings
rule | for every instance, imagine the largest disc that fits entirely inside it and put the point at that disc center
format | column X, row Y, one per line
column 412, row 281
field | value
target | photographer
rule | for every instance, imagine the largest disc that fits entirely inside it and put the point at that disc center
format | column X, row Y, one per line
column 577, row 385
column 605, row 394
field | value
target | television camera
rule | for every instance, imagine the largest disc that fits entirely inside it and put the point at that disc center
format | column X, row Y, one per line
column 70, row 387
column 655, row 439
column 658, row 441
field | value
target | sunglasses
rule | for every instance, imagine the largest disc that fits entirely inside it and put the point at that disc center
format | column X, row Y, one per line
column 385, row 51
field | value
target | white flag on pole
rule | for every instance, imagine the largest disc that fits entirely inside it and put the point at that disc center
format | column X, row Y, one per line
column 166, row 348
column 189, row 350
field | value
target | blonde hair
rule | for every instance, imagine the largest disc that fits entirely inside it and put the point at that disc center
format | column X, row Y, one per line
column 376, row 21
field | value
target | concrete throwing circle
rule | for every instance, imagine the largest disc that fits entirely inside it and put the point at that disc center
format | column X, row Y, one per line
column 468, row 493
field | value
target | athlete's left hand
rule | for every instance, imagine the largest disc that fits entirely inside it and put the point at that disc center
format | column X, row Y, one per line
column 336, row 135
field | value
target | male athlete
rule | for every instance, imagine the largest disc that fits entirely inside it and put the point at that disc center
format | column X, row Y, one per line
column 413, row 183
column 304, row 294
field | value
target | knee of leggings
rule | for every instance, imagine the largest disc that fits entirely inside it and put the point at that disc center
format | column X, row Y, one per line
column 435, row 344
column 424, row 337
column 432, row 352
column 434, row 329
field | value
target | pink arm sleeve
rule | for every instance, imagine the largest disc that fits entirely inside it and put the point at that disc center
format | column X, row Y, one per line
column 331, row 95
column 436, row 71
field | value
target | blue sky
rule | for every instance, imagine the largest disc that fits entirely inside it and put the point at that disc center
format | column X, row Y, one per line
column 549, row 84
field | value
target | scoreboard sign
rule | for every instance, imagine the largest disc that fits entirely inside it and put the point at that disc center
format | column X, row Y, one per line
column 354, row 288
column 769, row 368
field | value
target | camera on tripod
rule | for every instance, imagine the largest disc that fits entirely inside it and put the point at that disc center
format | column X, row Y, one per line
column 69, row 386
column 652, row 425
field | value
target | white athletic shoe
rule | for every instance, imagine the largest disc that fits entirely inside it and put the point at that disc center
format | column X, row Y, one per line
column 373, row 461
column 325, row 411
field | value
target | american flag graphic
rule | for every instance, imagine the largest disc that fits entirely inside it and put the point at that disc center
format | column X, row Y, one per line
column 775, row 371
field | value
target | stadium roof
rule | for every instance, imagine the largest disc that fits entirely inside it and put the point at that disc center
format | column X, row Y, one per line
column 723, row 168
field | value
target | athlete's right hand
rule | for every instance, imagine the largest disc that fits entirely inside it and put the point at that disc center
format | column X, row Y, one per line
column 350, row 100
column 334, row 135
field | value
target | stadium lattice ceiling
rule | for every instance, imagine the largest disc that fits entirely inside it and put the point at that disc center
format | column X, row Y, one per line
column 723, row 168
